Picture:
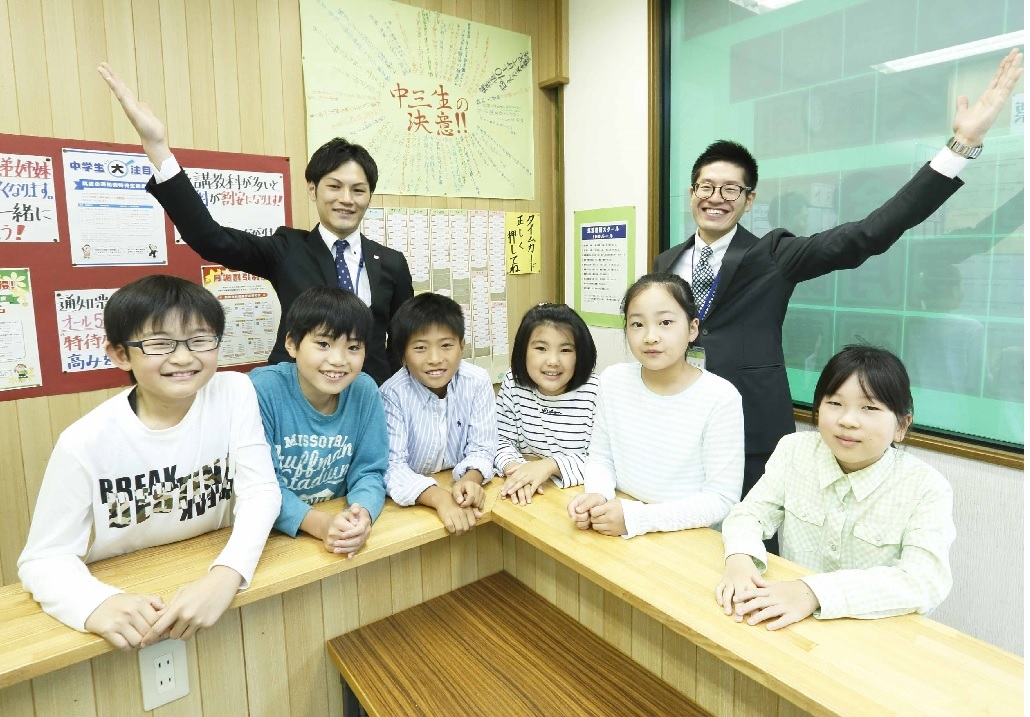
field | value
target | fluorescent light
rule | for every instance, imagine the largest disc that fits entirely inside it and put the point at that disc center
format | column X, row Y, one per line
column 955, row 52
column 761, row 6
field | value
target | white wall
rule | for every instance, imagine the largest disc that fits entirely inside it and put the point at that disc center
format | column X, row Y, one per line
column 605, row 106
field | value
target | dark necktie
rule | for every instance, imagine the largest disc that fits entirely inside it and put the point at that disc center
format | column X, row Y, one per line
column 703, row 277
column 342, row 272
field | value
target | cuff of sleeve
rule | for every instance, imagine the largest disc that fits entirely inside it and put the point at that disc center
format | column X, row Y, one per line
column 370, row 500
column 747, row 547
column 504, row 461
column 412, row 489
column 87, row 602
column 247, row 575
column 290, row 523
column 633, row 518
column 832, row 604
column 569, row 477
column 486, row 469
column 948, row 163
column 168, row 169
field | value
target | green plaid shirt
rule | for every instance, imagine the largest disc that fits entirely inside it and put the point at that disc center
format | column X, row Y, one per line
column 878, row 538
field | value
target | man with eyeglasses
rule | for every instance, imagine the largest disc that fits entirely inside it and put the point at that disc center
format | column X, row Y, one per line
column 742, row 283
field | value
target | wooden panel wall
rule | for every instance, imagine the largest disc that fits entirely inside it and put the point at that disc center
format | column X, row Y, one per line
column 226, row 75
column 241, row 667
column 698, row 674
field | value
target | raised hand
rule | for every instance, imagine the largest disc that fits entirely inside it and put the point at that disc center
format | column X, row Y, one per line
column 150, row 129
column 972, row 121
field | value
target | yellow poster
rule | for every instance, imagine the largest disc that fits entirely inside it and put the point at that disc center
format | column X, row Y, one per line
column 522, row 242
column 443, row 105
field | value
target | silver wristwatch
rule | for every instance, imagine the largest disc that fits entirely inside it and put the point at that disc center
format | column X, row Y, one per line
column 965, row 150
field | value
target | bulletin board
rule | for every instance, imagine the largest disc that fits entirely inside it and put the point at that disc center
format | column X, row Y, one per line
column 50, row 262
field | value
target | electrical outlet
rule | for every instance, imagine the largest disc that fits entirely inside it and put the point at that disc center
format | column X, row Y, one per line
column 163, row 673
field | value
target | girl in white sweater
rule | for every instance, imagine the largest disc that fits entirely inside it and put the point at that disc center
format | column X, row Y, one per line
column 545, row 407
column 665, row 432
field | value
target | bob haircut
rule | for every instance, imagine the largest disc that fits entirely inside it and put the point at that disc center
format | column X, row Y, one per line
column 330, row 310
column 420, row 313
column 725, row 150
column 564, row 319
column 337, row 152
column 675, row 284
column 148, row 304
column 880, row 373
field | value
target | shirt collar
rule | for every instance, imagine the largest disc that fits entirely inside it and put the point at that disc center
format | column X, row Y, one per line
column 353, row 240
column 720, row 243
column 863, row 482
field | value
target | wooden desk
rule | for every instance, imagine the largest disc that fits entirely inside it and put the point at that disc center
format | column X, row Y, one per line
column 907, row 665
column 32, row 643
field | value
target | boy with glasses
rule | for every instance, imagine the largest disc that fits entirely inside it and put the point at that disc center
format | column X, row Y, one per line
column 158, row 463
column 742, row 283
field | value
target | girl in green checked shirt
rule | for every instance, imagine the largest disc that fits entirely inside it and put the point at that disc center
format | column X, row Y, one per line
column 873, row 522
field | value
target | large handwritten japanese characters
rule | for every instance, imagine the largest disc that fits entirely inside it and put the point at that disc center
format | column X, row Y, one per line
column 443, row 104
column 28, row 210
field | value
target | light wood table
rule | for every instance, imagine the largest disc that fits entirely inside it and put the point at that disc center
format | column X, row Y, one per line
column 32, row 643
column 907, row 665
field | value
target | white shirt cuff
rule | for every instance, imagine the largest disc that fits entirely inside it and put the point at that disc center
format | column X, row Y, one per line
column 946, row 162
column 169, row 168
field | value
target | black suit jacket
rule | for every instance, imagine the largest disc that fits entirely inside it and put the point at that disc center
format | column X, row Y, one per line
column 292, row 260
column 742, row 332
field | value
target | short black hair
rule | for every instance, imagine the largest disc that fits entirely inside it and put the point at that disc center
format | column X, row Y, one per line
column 145, row 304
column 331, row 310
column 880, row 373
column 725, row 150
column 421, row 312
column 564, row 319
column 675, row 284
column 337, row 152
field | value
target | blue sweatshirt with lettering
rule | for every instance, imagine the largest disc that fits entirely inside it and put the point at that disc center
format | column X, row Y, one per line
column 319, row 457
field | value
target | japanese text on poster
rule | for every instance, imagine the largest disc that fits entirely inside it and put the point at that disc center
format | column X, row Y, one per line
column 28, row 209
column 111, row 217
column 603, row 263
column 19, row 352
column 252, row 314
column 253, row 202
column 445, row 105
column 80, row 329
column 522, row 242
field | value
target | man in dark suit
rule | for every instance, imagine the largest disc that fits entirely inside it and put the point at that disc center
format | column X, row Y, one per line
column 341, row 179
column 742, row 283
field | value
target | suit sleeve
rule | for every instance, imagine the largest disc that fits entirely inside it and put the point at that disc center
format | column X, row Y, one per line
column 51, row 566
column 232, row 248
column 849, row 245
column 402, row 291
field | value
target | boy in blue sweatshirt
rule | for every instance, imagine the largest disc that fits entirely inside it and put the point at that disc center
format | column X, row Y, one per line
column 324, row 420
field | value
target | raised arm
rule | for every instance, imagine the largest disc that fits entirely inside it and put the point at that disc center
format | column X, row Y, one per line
column 149, row 127
column 972, row 121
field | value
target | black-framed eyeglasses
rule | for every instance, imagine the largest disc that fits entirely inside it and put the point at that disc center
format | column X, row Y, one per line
column 729, row 192
column 160, row 347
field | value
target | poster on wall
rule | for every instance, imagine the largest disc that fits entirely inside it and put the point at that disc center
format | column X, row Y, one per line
column 252, row 313
column 28, row 208
column 444, row 105
column 522, row 241
column 80, row 329
column 19, row 352
column 605, row 247
column 253, row 202
column 112, row 219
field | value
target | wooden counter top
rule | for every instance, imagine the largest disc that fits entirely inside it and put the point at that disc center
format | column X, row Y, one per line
column 907, row 665
column 32, row 643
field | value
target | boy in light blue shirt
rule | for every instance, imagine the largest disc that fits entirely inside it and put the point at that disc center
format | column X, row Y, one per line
column 439, row 414
column 324, row 420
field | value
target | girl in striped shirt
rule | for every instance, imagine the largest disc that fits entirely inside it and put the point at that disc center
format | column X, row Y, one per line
column 667, row 433
column 545, row 407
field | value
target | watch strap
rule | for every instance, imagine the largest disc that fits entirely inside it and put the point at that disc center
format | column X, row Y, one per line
column 963, row 149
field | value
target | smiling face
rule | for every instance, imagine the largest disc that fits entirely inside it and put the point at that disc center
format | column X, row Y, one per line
column 432, row 356
column 715, row 216
column 167, row 384
column 341, row 197
column 551, row 358
column 326, row 366
column 858, row 428
column 658, row 330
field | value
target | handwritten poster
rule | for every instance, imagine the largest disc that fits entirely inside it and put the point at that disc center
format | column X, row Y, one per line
column 80, row 329
column 252, row 313
column 603, row 263
column 522, row 242
column 111, row 217
column 444, row 105
column 253, row 202
column 19, row 352
column 28, row 209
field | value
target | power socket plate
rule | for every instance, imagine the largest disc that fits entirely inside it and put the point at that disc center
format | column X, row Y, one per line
column 164, row 675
